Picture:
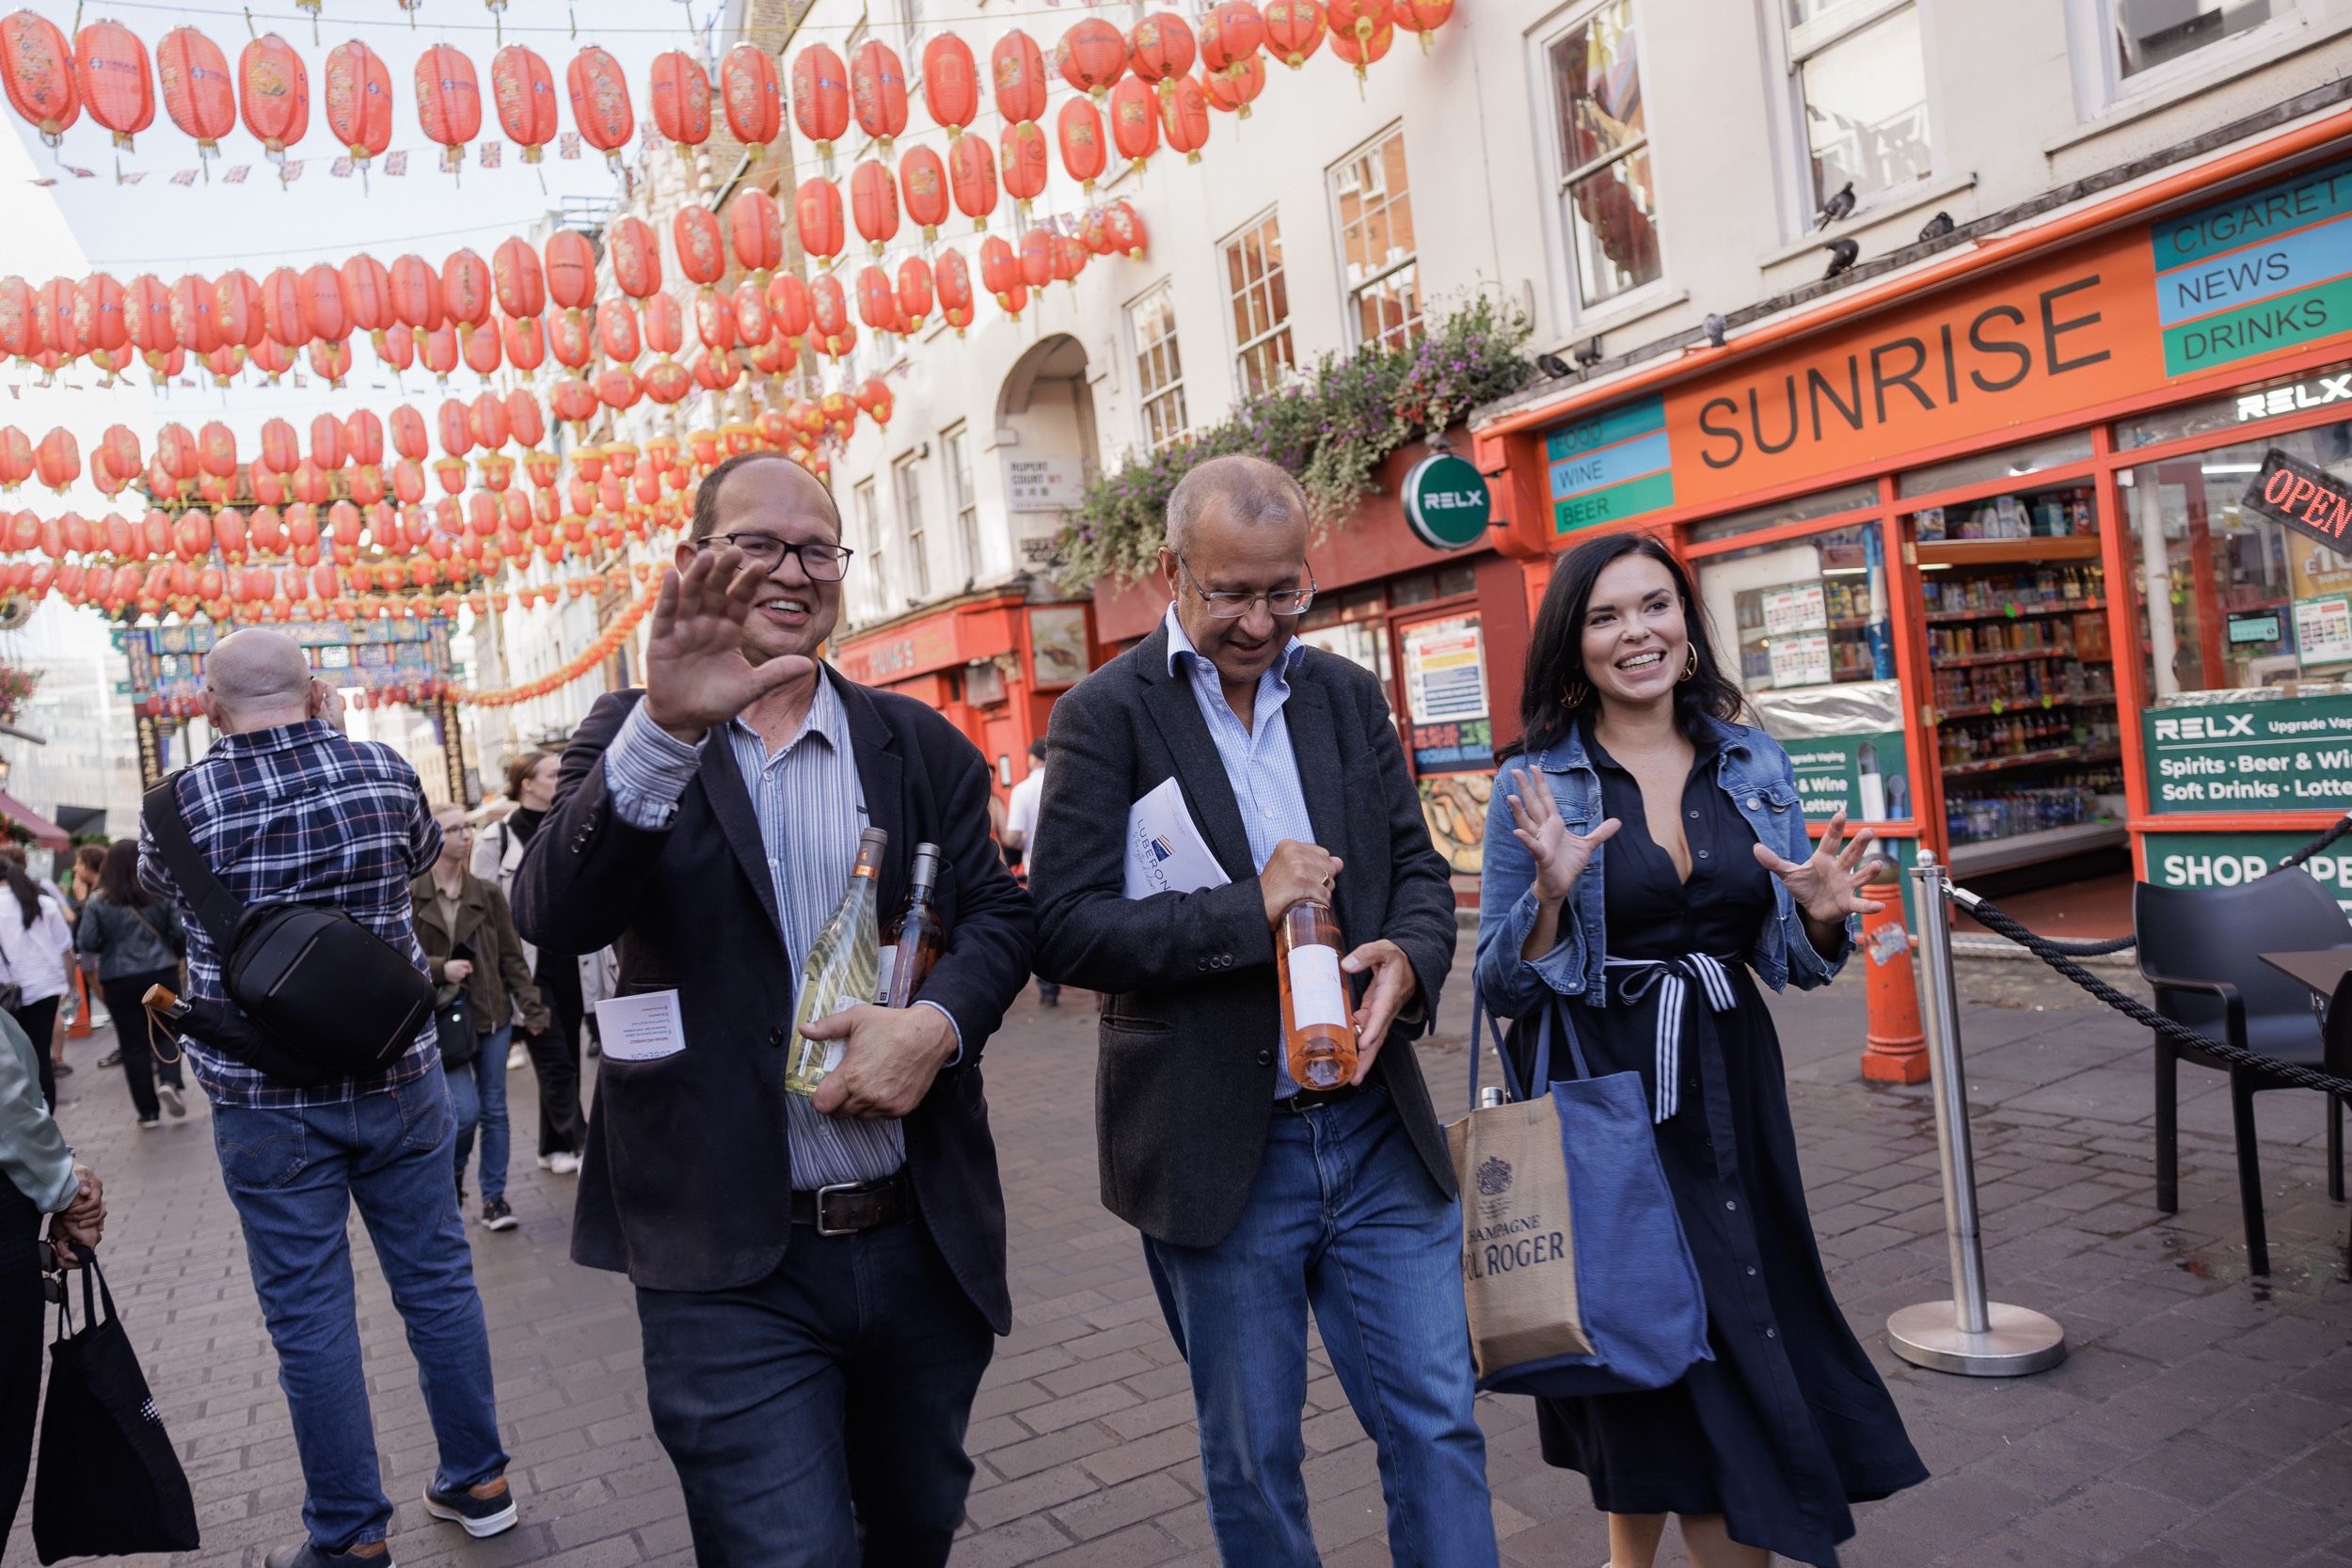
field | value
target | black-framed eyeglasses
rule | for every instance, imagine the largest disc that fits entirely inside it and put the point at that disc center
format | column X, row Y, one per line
column 1232, row 605
column 821, row 562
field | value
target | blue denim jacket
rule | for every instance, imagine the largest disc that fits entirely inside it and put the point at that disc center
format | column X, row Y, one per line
column 1750, row 767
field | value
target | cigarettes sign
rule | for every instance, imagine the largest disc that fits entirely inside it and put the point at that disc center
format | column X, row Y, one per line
column 2308, row 499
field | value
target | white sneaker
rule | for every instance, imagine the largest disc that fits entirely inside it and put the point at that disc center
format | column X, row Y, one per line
column 560, row 1163
column 170, row 1095
column 517, row 1057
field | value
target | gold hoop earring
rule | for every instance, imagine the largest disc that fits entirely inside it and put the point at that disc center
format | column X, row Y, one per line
column 1691, row 665
column 1575, row 695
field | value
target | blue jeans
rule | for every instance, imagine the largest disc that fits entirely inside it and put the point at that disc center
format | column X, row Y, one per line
column 815, row 1416
column 1344, row 1218
column 293, row 1176
column 478, row 1093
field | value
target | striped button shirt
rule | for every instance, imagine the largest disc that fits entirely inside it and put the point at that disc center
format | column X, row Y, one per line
column 300, row 814
column 1258, row 759
column 811, row 807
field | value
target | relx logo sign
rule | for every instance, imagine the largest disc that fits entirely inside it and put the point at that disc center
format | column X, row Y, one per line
column 2315, row 393
column 2197, row 726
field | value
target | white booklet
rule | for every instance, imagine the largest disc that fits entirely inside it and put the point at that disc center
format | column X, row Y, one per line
column 1166, row 852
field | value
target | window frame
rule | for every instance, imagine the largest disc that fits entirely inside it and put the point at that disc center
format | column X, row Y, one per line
column 1242, row 348
column 1351, row 292
column 865, row 505
column 1147, row 395
column 2101, row 88
column 963, row 491
column 1792, row 47
column 906, row 500
column 1567, row 288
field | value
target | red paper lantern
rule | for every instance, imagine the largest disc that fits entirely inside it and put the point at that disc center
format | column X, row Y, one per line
column 1023, row 161
column 751, row 321
column 916, row 291
column 636, row 258
column 480, row 351
column 396, row 348
column 571, row 337
column 750, row 93
column 21, row 335
column 1092, row 56
column 877, row 91
column 817, row 211
column 281, row 307
column 523, row 89
column 951, row 85
column 449, row 101
column 1019, row 71
column 1000, row 269
column 116, row 84
column 789, row 304
column 680, row 100
column 367, row 286
column 515, row 276
column 1161, row 48
column 1420, row 17
column 486, row 419
column 714, row 321
column 1293, row 29
column 281, row 448
column 877, row 299
column 98, row 315
column 272, row 358
column 874, row 203
column 619, row 388
column 952, row 279
column 1233, row 89
column 407, row 427
column 1233, row 32
column 1361, row 17
column 355, row 96
column 972, row 176
column 617, row 331
column 1361, row 50
column 524, row 422
column 571, row 270
column 326, row 441
column 36, row 68
column 716, row 372
column 416, row 293
column 193, row 74
column 664, row 326
column 275, row 87
column 600, row 107
column 524, row 341
column 1079, row 128
column 1037, row 258
column 217, row 450
column 1184, row 119
column 237, row 308
column 820, row 97
column 702, row 253
column 1124, row 229
column 829, row 314
column 924, row 181
column 363, row 438
column 146, row 315
column 466, row 292
column 1135, row 120
column 754, row 231
column 53, row 317
column 318, row 310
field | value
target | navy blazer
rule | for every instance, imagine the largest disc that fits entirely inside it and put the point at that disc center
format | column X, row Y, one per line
column 686, row 1184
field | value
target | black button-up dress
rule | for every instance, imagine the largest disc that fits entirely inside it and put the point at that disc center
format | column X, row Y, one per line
column 1791, row 1422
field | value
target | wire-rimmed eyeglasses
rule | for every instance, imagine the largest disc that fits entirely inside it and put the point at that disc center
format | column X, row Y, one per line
column 1232, row 605
column 821, row 562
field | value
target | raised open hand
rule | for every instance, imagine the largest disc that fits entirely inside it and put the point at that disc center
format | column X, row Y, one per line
column 1828, row 887
column 695, row 672
column 1559, row 855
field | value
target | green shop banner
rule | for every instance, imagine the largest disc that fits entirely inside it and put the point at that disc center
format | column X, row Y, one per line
column 1862, row 775
column 2232, row 860
column 2258, row 273
column 1612, row 465
column 2289, row 753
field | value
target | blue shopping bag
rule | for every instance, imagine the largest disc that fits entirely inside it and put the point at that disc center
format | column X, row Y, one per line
column 1575, row 1269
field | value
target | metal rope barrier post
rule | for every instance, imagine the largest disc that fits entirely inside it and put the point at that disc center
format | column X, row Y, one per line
column 1967, row 1334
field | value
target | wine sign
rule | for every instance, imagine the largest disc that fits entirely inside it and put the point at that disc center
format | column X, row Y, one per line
column 2306, row 499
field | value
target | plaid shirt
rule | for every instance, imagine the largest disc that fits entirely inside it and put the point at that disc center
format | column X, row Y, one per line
column 300, row 814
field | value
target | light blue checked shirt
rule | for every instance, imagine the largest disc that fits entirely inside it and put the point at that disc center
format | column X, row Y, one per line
column 811, row 807
column 1259, row 761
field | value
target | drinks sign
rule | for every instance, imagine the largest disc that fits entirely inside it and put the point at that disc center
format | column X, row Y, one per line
column 2286, row 755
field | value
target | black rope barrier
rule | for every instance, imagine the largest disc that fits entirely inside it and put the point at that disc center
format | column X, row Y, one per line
column 2315, row 846
column 2056, row 955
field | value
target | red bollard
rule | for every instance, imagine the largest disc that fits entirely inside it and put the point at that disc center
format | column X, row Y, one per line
column 1896, row 1050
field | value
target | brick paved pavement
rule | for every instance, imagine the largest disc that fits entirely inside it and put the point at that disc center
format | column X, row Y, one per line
column 2204, row 1419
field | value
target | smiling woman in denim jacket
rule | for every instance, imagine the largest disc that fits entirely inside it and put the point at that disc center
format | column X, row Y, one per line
column 1647, row 862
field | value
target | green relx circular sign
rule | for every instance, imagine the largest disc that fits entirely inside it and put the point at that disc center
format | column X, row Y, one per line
column 1446, row 501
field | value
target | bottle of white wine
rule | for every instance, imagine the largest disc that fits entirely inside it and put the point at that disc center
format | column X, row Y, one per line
column 842, row 963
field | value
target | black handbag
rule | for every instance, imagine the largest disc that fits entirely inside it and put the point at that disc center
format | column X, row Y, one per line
column 109, row 1484
column 322, row 996
column 452, row 1025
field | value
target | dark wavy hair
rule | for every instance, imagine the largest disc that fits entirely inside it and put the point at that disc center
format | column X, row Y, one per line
column 1555, row 650
column 119, row 877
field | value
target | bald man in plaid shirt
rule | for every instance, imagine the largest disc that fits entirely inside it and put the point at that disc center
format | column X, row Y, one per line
column 285, row 808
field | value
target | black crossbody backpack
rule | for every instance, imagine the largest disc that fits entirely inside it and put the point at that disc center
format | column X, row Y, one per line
column 322, row 996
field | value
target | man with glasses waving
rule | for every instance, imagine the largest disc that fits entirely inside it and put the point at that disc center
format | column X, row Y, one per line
column 817, row 1280
column 1260, row 1201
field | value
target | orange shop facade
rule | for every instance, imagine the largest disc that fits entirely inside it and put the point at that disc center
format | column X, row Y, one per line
column 1978, row 539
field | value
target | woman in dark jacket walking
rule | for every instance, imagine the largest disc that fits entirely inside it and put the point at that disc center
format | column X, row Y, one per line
column 129, row 941
column 1646, row 864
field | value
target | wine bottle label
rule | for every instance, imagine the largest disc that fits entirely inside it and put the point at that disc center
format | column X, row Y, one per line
column 881, row 979
column 1316, row 995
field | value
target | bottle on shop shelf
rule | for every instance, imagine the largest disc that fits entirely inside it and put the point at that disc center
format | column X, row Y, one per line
column 1318, row 1030
column 913, row 937
column 843, row 964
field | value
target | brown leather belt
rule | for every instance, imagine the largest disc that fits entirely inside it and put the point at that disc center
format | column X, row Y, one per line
column 854, row 1206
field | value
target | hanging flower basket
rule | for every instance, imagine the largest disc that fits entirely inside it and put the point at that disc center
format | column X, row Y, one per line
column 17, row 682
